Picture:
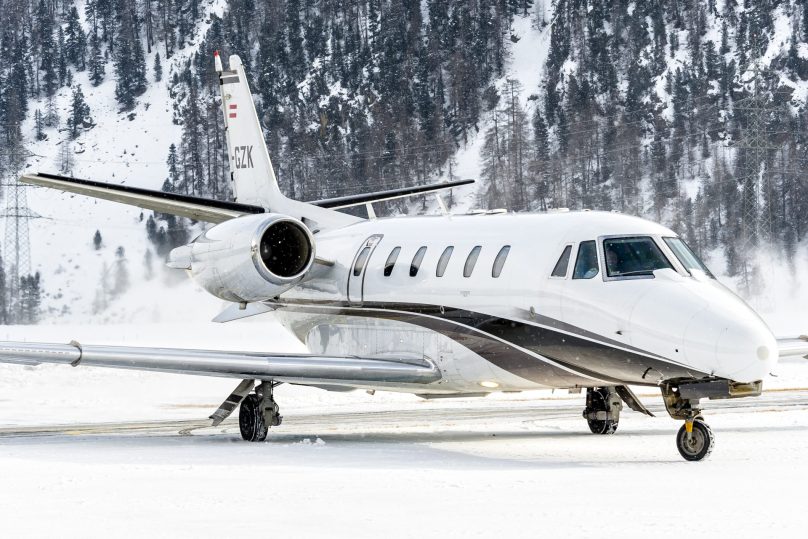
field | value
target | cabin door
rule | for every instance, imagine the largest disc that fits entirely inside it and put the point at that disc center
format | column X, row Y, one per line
column 356, row 274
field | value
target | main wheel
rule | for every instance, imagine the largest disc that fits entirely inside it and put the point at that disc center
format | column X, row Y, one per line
column 701, row 441
column 597, row 399
column 251, row 419
column 602, row 426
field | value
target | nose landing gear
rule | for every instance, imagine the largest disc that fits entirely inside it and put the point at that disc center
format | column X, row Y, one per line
column 695, row 439
column 602, row 412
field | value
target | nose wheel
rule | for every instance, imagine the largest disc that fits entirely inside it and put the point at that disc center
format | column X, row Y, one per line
column 695, row 440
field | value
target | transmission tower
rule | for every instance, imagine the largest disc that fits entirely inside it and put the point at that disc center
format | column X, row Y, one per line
column 17, row 244
column 754, row 148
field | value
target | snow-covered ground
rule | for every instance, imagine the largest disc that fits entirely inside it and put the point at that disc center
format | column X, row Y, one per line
column 355, row 465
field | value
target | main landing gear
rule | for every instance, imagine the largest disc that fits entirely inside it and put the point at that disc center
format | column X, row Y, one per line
column 602, row 412
column 258, row 412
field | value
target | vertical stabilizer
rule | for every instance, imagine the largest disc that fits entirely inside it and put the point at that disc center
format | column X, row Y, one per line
column 253, row 178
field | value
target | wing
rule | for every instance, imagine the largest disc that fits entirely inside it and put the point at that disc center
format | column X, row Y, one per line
column 796, row 346
column 201, row 209
column 293, row 368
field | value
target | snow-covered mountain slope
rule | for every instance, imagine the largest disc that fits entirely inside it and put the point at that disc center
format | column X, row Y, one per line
column 131, row 148
column 123, row 147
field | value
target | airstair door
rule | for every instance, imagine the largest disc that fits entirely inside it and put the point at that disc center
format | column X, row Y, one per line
column 356, row 275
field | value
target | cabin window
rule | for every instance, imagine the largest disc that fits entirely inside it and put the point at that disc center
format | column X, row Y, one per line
column 391, row 261
column 416, row 261
column 444, row 261
column 586, row 266
column 560, row 269
column 630, row 257
column 360, row 261
column 471, row 261
column 499, row 261
column 686, row 256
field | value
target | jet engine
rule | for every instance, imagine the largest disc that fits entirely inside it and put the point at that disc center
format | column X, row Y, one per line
column 250, row 258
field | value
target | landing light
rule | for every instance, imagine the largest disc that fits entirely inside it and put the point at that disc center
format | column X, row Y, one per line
column 488, row 384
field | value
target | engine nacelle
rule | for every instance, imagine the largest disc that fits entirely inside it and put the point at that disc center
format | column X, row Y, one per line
column 251, row 258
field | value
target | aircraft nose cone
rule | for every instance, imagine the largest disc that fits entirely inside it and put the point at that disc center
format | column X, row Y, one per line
column 736, row 345
column 746, row 350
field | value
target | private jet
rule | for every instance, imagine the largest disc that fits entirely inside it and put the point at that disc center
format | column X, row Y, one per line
column 441, row 305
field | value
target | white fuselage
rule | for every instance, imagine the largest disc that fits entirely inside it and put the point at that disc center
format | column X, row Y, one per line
column 524, row 328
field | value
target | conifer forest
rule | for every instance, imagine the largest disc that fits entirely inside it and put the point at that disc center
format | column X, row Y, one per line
column 690, row 113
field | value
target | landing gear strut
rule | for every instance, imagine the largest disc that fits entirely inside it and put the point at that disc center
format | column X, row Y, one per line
column 602, row 412
column 695, row 440
column 258, row 412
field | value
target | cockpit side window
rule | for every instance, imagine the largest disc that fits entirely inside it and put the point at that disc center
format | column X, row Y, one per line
column 560, row 269
column 586, row 266
column 628, row 257
column 686, row 256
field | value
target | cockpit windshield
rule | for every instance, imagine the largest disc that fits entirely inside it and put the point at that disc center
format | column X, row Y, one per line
column 686, row 256
column 627, row 257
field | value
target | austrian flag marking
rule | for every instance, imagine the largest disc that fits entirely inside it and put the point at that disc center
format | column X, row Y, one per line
column 232, row 108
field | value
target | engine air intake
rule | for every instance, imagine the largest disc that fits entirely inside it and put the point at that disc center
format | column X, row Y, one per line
column 285, row 249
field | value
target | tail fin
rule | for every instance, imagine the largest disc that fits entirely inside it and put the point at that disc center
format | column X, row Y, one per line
column 251, row 173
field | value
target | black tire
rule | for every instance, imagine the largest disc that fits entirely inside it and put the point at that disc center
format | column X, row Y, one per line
column 701, row 444
column 602, row 426
column 251, row 419
column 596, row 400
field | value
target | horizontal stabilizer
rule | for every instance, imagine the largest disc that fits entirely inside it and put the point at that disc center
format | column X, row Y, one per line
column 379, row 196
column 796, row 346
column 294, row 368
column 200, row 209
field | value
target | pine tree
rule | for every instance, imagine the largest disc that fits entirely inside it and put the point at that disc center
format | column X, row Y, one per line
column 65, row 159
column 158, row 68
column 121, row 276
column 61, row 58
column 96, row 63
column 51, row 118
column 173, row 163
column 541, row 137
column 97, row 240
column 75, row 40
column 79, row 113
column 192, row 144
column 39, row 126
column 130, row 62
column 48, row 55
column 30, row 299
